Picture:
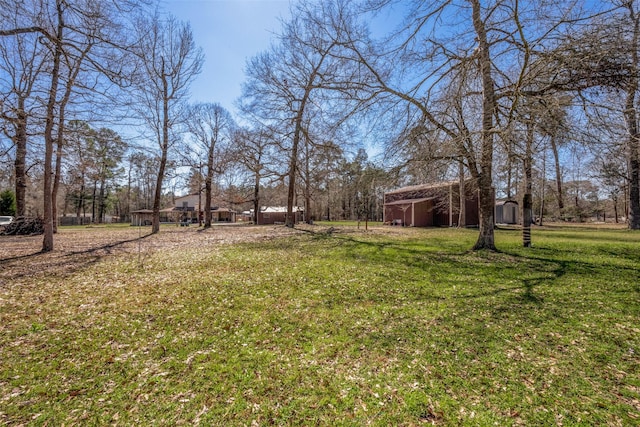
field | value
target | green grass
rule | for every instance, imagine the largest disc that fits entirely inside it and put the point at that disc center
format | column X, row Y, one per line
column 349, row 223
column 351, row 328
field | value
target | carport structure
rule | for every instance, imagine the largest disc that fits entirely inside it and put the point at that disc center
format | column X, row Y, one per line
column 414, row 212
column 429, row 205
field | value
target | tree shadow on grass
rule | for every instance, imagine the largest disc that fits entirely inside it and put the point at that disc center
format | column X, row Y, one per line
column 107, row 248
column 529, row 286
column 523, row 274
column 58, row 263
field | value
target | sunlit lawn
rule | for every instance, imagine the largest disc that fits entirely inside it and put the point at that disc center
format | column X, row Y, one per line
column 401, row 327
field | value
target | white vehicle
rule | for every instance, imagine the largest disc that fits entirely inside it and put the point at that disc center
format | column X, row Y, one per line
column 6, row 220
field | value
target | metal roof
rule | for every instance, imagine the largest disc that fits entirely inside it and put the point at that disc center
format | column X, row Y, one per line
column 423, row 187
column 409, row 201
column 279, row 209
column 505, row 201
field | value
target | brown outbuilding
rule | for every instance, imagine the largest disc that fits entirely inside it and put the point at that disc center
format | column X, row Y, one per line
column 432, row 205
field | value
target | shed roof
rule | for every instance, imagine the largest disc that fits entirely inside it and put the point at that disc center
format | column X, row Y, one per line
column 423, row 187
column 280, row 209
column 192, row 209
column 408, row 201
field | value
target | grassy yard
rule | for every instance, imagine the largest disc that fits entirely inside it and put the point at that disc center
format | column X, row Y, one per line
column 387, row 327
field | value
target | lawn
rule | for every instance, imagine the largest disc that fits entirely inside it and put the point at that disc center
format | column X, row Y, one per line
column 391, row 326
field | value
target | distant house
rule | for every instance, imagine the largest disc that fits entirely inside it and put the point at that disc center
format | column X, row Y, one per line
column 507, row 212
column 431, row 205
column 223, row 215
column 278, row 215
column 190, row 208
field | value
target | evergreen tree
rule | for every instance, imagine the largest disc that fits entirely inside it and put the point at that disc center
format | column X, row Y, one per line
column 7, row 203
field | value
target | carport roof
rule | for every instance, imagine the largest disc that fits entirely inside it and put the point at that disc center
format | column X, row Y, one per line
column 408, row 201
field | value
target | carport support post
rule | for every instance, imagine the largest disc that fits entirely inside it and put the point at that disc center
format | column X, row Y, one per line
column 404, row 214
column 450, row 205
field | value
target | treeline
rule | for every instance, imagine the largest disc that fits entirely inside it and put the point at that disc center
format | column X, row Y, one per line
column 535, row 101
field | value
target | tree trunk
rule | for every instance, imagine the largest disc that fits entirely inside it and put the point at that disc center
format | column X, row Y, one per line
column 20, row 140
column 164, row 147
column 256, row 198
column 208, row 216
column 328, row 201
column 293, row 166
column 556, row 159
column 293, row 162
column 128, row 193
column 485, row 182
column 80, row 201
column 527, row 199
column 58, row 168
column 307, row 185
column 207, row 184
column 509, row 169
column 155, row 222
column 60, row 138
column 634, row 171
column 47, row 241
column 101, row 202
column 631, row 118
column 93, row 201
column 462, row 215
column 542, row 190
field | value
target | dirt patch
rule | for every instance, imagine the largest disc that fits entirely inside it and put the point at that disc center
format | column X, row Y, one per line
column 20, row 256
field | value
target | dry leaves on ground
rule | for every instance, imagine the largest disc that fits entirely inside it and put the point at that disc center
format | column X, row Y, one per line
column 20, row 256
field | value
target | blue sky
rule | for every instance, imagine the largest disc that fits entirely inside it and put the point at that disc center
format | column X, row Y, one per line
column 229, row 32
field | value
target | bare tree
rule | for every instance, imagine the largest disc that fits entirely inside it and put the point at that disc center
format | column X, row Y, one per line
column 141, row 180
column 631, row 116
column 212, row 128
column 603, row 54
column 293, row 85
column 489, row 106
column 254, row 151
column 328, row 163
column 447, row 63
column 554, row 123
column 73, row 63
column 63, row 28
column 78, row 135
column 490, row 61
column 313, row 170
column 169, row 60
column 22, row 61
column 55, row 38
